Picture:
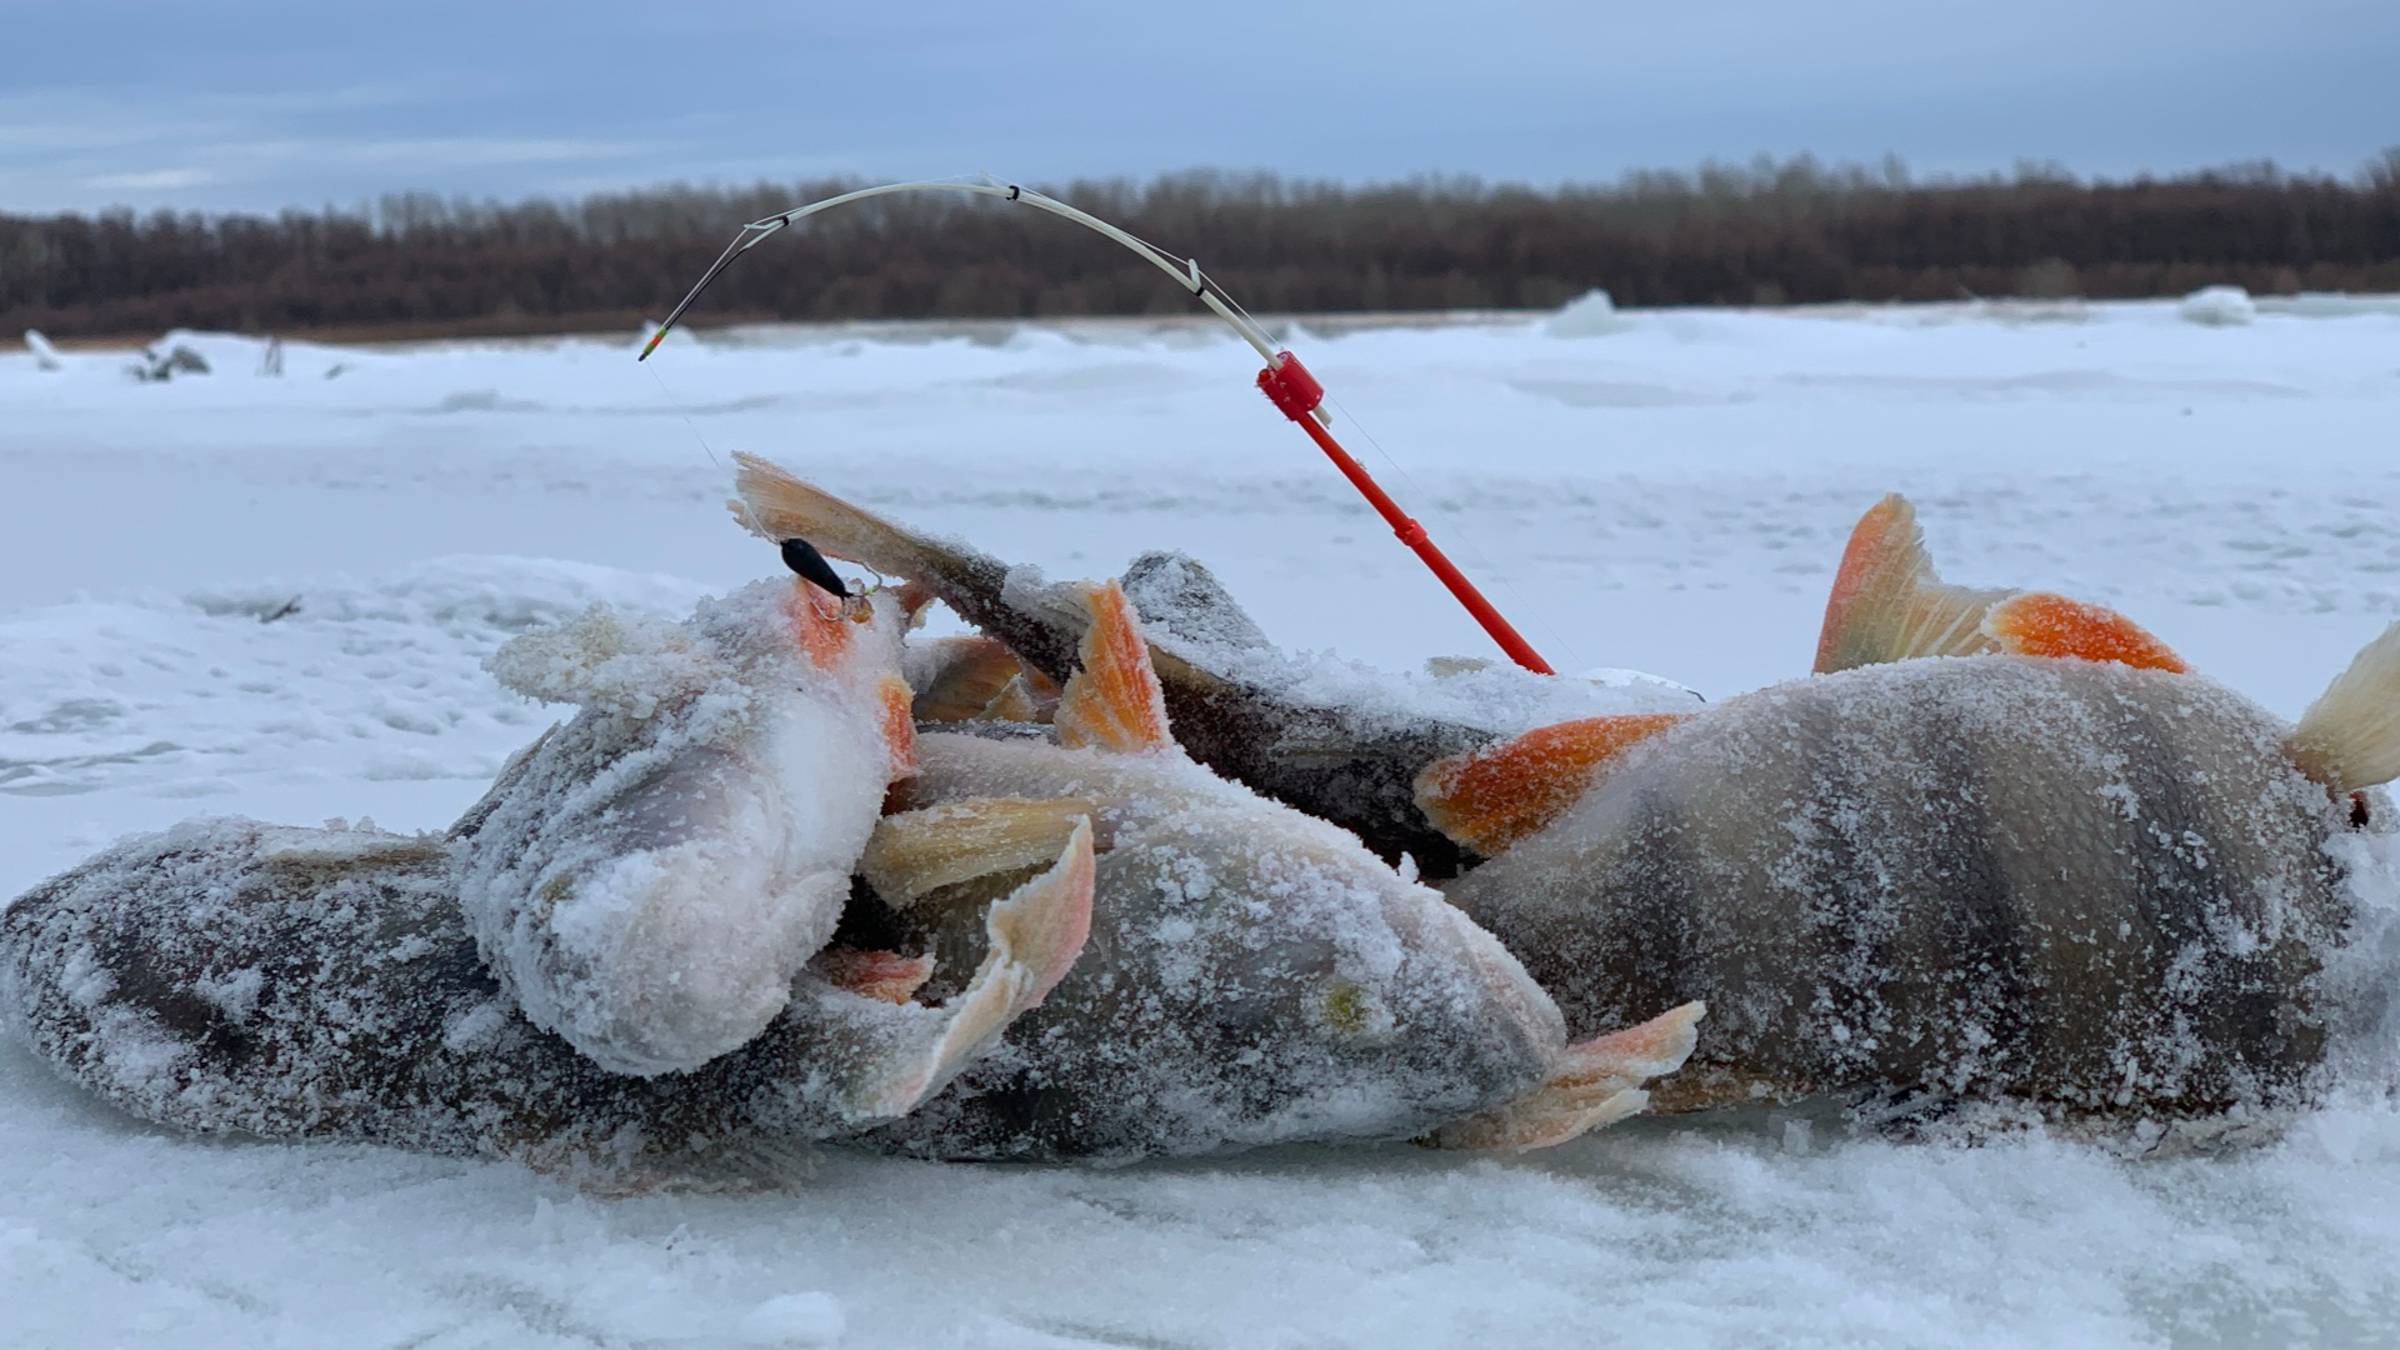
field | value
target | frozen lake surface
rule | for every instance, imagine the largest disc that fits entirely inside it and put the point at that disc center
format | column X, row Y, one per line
column 1666, row 491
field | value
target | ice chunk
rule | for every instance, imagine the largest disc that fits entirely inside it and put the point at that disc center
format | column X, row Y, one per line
column 1594, row 314
column 45, row 356
column 2218, row 307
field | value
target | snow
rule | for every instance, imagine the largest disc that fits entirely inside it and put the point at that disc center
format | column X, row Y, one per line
column 1672, row 499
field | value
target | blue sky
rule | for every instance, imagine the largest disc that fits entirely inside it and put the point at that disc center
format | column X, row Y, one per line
column 268, row 103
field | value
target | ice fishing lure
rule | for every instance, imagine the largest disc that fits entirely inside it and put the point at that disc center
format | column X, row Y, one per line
column 1285, row 381
column 802, row 557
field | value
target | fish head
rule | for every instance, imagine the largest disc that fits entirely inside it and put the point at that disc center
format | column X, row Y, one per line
column 652, row 876
column 1318, row 992
column 793, row 643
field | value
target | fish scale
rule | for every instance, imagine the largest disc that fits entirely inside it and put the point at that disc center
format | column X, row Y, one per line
column 2101, row 969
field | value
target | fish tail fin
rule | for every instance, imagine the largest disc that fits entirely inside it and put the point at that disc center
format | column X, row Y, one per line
column 2350, row 737
column 1887, row 603
column 775, row 504
column 1597, row 1082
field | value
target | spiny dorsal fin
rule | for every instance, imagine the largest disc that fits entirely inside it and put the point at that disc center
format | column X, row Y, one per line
column 1113, row 699
column 1488, row 799
column 914, row 853
column 2350, row 737
column 2039, row 623
column 1887, row 604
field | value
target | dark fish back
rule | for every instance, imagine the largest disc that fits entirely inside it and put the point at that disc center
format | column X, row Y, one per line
column 231, row 977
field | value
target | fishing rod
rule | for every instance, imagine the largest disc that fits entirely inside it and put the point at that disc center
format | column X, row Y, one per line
column 1287, row 383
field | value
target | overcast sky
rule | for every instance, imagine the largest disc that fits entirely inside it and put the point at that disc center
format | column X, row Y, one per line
column 268, row 103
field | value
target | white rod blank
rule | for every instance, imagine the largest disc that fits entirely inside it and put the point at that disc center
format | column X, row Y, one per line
column 1185, row 271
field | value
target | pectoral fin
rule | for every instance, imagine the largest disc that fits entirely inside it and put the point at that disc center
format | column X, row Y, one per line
column 885, row 976
column 1034, row 937
column 1113, row 700
column 1488, row 799
column 914, row 853
column 1597, row 1083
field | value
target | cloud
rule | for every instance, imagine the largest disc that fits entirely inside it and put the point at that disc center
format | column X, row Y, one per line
column 488, row 151
column 284, row 101
column 152, row 180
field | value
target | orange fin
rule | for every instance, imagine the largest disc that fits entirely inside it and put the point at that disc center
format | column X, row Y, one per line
column 913, row 597
column 1887, row 604
column 1597, row 1083
column 1488, row 799
column 1113, row 700
column 2039, row 623
column 974, row 677
column 888, row 976
column 899, row 727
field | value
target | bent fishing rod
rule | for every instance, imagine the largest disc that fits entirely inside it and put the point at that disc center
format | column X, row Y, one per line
column 1286, row 382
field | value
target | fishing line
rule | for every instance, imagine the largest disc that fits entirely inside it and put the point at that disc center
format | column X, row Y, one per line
column 749, row 517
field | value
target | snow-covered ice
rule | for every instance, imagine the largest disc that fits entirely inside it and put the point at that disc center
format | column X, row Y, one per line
column 270, row 596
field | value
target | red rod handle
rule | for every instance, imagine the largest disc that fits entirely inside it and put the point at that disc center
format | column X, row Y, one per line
column 1290, row 387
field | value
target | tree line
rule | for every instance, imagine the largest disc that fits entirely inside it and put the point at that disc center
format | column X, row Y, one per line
column 1768, row 232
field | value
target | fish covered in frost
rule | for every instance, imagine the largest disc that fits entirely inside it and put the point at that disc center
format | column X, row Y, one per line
column 2003, row 849
column 1346, row 749
column 642, row 949
column 1254, row 976
column 622, row 956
